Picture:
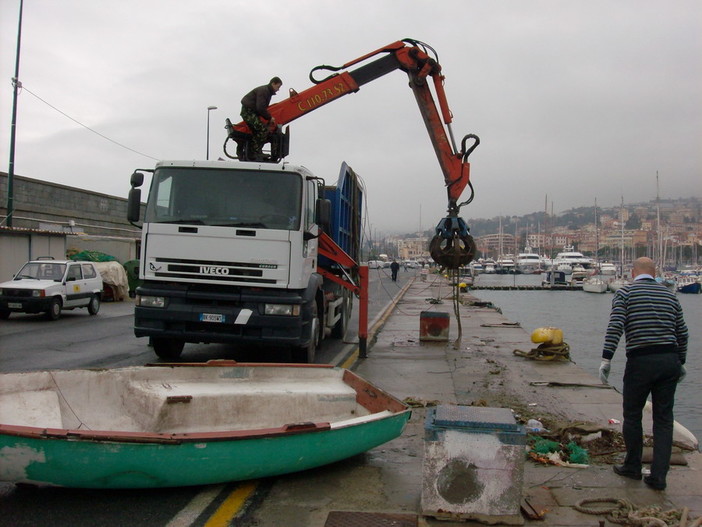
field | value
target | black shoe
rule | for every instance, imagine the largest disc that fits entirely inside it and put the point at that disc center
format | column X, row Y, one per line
column 621, row 470
column 654, row 483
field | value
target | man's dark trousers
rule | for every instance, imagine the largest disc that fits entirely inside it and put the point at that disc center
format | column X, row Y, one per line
column 658, row 375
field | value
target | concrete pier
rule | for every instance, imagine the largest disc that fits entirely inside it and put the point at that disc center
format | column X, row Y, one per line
column 481, row 370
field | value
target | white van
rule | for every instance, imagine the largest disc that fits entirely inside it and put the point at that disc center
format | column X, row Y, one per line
column 49, row 286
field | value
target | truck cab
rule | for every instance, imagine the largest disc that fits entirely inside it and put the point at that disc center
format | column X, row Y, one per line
column 229, row 254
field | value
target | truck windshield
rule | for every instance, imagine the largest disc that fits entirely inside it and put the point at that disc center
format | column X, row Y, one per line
column 233, row 198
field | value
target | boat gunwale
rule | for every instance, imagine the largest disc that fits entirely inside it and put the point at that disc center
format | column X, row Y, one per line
column 374, row 399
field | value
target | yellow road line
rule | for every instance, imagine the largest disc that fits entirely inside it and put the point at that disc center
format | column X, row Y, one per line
column 350, row 360
column 187, row 516
column 231, row 505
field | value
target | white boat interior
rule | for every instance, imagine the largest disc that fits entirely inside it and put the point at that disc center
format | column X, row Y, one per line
column 182, row 399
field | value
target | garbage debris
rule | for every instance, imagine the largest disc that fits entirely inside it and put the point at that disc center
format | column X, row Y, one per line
column 414, row 402
column 553, row 453
column 534, row 425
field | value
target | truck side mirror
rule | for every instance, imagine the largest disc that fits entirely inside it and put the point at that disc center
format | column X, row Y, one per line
column 137, row 179
column 134, row 203
column 323, row 214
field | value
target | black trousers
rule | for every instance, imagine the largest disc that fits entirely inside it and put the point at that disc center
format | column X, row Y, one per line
column 657, row 375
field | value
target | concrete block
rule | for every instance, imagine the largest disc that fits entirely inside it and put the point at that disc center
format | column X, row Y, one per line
column 473, row 465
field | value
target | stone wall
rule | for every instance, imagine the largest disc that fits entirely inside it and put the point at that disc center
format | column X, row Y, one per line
column 50, row 206
column 50, row 219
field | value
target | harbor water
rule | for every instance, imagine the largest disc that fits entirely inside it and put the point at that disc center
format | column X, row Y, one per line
column 583, row 318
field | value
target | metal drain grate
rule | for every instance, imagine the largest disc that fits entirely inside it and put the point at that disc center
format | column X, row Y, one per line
column 370, row 519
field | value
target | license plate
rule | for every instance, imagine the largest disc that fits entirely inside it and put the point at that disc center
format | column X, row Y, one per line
column 211, row 317
column 14, row 305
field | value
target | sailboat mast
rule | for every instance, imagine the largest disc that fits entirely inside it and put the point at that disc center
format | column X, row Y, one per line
column 659, row 237
column 597, row 238
column 621, row 241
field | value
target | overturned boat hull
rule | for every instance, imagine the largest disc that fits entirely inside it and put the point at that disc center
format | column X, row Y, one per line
column 187, row 425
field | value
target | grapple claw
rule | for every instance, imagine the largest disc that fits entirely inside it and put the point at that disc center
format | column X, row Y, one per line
column 452, row 246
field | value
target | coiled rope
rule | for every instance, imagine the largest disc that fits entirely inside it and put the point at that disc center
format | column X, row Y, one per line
column 625, row 513
column 547, row 351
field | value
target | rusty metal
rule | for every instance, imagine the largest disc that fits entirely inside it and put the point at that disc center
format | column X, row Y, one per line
column 454, row 252
column 370, row 519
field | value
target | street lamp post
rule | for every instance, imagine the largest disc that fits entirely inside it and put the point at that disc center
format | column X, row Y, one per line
column 209, row 109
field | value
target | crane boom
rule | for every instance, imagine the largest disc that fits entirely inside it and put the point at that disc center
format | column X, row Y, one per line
column 412, row 57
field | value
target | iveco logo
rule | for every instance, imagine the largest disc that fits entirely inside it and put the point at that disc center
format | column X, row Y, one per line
column 210, row 269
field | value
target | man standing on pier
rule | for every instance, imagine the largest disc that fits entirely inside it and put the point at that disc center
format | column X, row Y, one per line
column 651, row 318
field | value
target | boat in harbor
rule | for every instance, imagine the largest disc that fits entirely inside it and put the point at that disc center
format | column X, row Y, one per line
column 554, row 278
column 189, row 424
column 505, row 265
column 689, row 285
column 528, row 262
column 567, row 260
column 607, row 269
column 594, row 285
column 476, row 267
column 617, row 283
column 489, row 266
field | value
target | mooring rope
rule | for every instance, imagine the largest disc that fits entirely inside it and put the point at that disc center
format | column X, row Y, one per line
column 454, row 277
column 547, row 351
column 625, row 513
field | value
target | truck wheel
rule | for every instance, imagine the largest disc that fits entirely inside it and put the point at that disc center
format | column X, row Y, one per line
column 339, row 329
column 166, row 348
column 306, row 354
column 94, row 305
column 54, row 311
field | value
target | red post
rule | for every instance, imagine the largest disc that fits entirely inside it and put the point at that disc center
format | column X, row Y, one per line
column 363, row 312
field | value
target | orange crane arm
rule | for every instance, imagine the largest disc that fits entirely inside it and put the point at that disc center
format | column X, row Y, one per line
column 409, row 56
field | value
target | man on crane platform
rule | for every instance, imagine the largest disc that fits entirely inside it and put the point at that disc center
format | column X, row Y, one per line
column 254, row 105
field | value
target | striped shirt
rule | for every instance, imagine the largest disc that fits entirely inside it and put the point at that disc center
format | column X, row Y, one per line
column 650, row 316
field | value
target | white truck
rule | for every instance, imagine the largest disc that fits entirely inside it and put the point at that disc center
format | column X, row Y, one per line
column 260, row 251
column 230, row 252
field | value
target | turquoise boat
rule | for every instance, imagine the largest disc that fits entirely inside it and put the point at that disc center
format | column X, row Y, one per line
column 182, row 425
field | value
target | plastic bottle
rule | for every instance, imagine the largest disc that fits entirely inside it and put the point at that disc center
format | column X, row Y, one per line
column 534, row 425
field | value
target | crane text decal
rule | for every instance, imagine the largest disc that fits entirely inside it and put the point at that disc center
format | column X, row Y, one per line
column 323, row 97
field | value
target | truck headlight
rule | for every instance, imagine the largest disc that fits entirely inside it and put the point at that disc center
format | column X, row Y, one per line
column 38, row 292
column 150, row 301
column 290, row 310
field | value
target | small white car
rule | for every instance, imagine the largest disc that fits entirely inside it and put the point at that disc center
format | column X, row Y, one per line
column 50, row 286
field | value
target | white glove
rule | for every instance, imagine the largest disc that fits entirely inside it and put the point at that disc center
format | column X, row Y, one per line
column 683, row 372
column 605, row 366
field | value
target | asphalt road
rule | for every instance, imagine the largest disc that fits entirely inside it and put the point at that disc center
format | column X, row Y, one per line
column 78, row 340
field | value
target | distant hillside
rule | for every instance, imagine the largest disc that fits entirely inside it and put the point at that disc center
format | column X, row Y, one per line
column 577, row 218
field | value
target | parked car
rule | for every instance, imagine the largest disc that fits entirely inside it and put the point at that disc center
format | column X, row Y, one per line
column 49, row 286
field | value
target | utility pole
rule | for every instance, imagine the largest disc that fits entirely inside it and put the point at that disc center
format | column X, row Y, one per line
column 16, row 84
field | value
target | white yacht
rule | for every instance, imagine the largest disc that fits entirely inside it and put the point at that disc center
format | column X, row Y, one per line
column 594, row 285
column 505, row 265
column 608, row 268
column 476, row 267
column 568, row 259
column 489, row 266
column 616, row 284
column 528, row 262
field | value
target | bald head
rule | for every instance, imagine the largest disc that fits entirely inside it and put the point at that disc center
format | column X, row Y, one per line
column 644, row 265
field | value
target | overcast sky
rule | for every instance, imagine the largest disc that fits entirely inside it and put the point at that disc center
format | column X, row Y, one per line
column 575, row 100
